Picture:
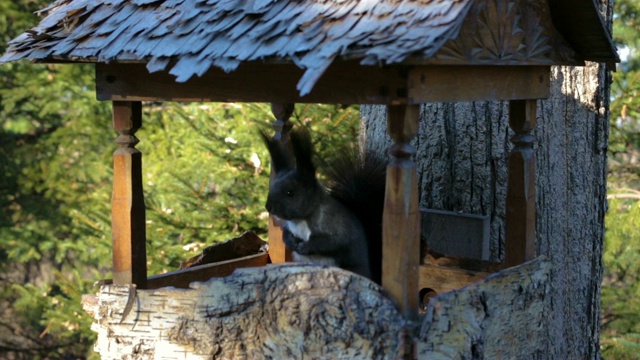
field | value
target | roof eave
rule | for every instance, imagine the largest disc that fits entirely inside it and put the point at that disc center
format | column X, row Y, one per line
column 575, row 20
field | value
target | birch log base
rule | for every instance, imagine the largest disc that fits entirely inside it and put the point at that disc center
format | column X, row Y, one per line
column 501, row 317
column 294, row 311
column 283, row 311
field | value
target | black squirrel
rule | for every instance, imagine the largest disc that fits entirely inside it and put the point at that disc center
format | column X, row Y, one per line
column 340, row 225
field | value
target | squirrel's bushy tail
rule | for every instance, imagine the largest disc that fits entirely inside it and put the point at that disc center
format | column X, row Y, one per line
column 358, row 182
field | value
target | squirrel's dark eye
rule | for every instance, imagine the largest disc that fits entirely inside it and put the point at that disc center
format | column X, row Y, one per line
column 289, row 193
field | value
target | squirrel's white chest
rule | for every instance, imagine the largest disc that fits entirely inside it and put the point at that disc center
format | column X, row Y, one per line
column 299, row 229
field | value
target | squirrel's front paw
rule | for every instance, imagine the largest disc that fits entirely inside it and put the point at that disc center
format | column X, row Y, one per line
column 290, row 241
column 303, row 248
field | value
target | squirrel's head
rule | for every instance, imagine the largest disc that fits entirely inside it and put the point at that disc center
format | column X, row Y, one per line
column 295, row 191
column 291, row 197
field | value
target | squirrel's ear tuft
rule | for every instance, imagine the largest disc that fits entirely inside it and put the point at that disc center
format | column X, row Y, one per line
column 281, row 159
column 303, row 151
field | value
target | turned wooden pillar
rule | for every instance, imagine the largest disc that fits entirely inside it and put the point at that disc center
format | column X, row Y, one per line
column 521, row 188
column 401, row 219
column 277, row 251
column 127, row 203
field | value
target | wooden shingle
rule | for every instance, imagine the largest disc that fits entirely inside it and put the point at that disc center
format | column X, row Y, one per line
column 224, row 33
column 201, row 34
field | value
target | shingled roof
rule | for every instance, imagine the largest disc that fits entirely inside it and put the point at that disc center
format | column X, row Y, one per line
column 188, row 37
column 224, row 33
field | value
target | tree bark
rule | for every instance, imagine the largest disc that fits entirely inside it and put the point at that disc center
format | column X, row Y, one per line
column 462, row 152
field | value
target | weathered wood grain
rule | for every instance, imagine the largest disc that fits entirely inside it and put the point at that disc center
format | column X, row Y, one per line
column 275, row 312
column 571, row 188
column 467, row 83
column 501, row 317
column 368, row 85
column 293, row 311
column 344, row 83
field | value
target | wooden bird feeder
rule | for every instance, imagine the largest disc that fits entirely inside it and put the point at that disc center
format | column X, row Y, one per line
column 398, row 53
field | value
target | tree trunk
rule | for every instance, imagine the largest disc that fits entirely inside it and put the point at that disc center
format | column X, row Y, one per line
column 462, row 152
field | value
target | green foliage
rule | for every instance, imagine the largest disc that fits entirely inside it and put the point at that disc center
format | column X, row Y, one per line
column 620, row 327
column 216, row 185
column 15, row 16
column 625, row 89
column 626, row 23
column 49, row 136
column 47, row 129
column 205, row 180
column 621, row 284
column 205, row 175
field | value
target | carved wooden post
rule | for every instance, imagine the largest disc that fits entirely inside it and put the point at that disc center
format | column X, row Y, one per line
column 521, row 187
column 277, row 251
column 401, row 219
column 127, row 211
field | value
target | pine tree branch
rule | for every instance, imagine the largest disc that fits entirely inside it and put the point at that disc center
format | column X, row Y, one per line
column 28, row 137
column 623, row 196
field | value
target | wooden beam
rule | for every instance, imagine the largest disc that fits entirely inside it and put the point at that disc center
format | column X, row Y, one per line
column 182, row 278
column 466, row 264
column 401, row 218
column 440, row 280
column 582, row 25
column 127, row 204
column 342, row 83
column 521, row 187
column 278, row 253
column 440, row 274
column 474, row 83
